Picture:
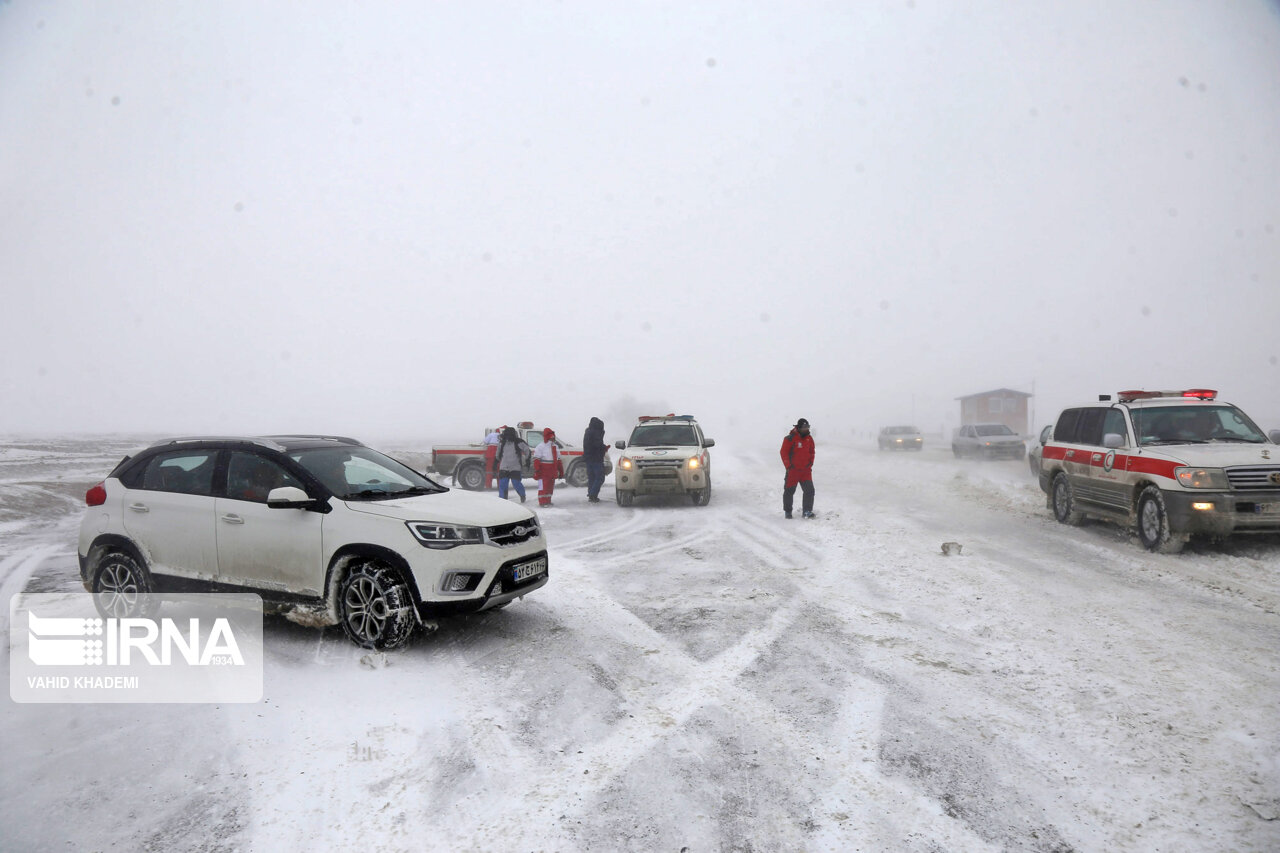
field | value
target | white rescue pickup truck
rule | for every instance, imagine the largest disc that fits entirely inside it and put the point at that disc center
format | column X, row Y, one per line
column 667, row 455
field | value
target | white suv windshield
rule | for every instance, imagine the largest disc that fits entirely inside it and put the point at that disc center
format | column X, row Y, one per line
column 994, row 429
column 1194, row 425
column 358, row 473
column 652, row 435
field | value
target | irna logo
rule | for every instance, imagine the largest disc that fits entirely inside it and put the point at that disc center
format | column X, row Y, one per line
column 64, row 641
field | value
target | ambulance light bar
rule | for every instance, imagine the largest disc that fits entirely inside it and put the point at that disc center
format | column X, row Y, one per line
column 668, row 417
column 1195, row 393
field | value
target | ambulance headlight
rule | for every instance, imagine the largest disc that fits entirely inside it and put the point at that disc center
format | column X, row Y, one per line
column 1202, row 478
column 625, row 464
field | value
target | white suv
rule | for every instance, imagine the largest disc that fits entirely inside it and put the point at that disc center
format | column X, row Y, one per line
column 326, row 530
column 667, row 455
column 1169, row 463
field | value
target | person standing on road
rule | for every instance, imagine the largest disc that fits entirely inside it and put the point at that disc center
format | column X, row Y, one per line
column 512, row 455
column 491, row 442
column 547, row 466
column 797, row 455
column 593, row 451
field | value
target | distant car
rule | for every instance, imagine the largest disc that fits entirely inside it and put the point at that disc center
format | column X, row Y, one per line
column 320, row 526
column 900, row 438
column 988, row 441
column 1037, row 450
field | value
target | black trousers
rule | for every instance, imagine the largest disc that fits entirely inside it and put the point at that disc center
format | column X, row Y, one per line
column 806, row 503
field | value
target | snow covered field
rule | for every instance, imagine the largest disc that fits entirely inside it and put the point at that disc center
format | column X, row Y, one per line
column 709, row 679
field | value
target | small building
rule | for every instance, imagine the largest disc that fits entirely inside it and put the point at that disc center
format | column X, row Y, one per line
column 1001, row 406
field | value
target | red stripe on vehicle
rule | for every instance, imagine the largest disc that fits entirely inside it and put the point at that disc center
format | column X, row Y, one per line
column 1157, row 467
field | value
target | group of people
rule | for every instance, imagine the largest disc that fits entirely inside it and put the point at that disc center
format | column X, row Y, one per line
column 507, row 455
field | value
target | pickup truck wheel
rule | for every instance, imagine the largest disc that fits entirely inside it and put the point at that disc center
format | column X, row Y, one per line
column 1064, row 501
column 624, row 498
column 1153, row 524
column 702, row 497
column 576, row 476
column 376, row 606
column 469, row 475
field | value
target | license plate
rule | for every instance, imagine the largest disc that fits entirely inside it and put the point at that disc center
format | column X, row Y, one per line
column 524, row 571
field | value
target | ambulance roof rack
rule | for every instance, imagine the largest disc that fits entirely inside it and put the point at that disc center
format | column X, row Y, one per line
column 668, row 417
column 1192, row 393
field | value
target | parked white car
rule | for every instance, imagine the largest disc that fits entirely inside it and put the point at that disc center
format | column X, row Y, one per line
column 322, row 527
column 988, row 441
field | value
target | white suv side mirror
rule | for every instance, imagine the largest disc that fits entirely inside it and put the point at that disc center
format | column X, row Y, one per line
column 289, row 497
column 620, row 444
column 710, row 442
column 1112, row 440
column 1274, row 435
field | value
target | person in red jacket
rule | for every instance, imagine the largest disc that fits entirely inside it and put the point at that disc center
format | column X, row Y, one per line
column 797, row 455
column 547, row 466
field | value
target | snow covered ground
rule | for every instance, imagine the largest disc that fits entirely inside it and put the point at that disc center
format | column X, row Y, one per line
column 711, row 678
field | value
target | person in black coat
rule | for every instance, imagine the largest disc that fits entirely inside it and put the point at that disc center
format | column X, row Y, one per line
column 593, row 451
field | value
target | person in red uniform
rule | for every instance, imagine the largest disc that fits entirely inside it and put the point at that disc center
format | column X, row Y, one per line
column 491, row 442
column 547, row 466
column 797, row 455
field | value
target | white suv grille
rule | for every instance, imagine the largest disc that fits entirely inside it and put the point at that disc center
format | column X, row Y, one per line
column 1254, row 477
column 505, row 535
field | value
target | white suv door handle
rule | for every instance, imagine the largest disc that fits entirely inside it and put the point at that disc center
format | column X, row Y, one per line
column 139, row 508
column 231, row 518
column 1070, row 453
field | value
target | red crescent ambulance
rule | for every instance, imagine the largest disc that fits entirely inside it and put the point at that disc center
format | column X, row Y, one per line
column 1169, row 464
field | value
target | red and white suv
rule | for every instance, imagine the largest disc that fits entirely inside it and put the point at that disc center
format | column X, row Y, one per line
column 1168, row 463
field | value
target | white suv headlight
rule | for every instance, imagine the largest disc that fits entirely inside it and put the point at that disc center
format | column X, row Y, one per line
column 434, row 534
column 1202, row 478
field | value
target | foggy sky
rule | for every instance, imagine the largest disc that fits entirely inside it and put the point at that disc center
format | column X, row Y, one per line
column 382, row 220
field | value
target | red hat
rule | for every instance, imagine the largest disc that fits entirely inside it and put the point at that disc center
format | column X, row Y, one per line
column 548, row 432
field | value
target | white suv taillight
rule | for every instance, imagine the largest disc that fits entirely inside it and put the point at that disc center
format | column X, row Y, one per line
column 96, row 496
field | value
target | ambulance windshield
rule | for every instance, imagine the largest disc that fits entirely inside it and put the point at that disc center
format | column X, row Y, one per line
column 1194, row 425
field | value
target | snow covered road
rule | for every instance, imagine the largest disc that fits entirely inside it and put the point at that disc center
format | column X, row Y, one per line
column 713, row 678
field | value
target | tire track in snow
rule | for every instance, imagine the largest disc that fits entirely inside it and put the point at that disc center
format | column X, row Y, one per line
column 15, row 572
column 571, row 784
column 638, row 522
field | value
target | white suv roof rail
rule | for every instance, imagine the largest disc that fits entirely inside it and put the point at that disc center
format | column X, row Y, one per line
column 184, row 439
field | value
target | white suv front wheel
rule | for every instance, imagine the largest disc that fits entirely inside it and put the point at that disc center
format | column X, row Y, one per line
column 375, row 606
